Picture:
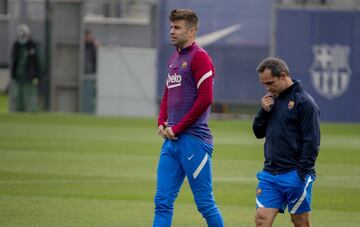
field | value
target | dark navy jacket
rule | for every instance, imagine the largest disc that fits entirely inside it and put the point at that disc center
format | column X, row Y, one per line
column 32, row 69
column 292, row 132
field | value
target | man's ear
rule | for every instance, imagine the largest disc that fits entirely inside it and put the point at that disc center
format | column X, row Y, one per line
column 283, row 75
column 192, row 30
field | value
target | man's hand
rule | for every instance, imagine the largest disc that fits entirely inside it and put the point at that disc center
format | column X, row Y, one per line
column 166, row 132
column 161, row 131
column 302, row 175
column 267, row 101
column 35, row 81
column 170, row 134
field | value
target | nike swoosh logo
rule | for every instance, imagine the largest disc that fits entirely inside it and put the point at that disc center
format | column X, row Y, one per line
column 189, row 158
column 212, row 37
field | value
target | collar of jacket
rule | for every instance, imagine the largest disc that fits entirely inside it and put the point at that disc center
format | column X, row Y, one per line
column 296, row 86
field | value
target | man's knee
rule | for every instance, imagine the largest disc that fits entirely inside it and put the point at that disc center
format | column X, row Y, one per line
column 264, row 217
column 300, row 220
column 163, row 202
column 205, row 204
column 260, row 219
column 206, row 208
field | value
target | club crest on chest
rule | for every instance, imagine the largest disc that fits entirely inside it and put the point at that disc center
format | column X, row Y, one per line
column 291, row 105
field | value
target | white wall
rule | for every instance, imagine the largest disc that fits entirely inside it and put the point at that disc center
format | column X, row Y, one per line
column 126, row 83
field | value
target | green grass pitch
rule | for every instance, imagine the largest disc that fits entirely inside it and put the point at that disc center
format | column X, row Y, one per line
column 75, row 170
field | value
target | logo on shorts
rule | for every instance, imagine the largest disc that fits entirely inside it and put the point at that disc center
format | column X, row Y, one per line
column 190, row 157
column 258, row 191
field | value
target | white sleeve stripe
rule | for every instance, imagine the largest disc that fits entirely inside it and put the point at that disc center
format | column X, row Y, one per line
column 204, row 77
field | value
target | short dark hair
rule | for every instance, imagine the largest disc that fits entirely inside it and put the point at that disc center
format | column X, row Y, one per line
column 276, row 66
column 185, row 14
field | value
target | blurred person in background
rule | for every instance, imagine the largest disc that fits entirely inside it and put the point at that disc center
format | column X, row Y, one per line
column 25, row 69
column 289, row 122
column 91, row 46
column 88, row 96
column 183, row 123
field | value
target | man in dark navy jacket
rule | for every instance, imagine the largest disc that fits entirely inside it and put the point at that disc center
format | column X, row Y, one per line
column 25, row 69
column 289, row 122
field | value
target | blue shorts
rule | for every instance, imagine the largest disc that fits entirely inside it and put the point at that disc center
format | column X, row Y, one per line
column 287, row 189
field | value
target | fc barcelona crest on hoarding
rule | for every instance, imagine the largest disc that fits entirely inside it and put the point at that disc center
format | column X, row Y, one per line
column 330, row 71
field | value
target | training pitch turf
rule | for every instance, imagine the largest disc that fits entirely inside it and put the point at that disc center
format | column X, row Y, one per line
column 75, row 170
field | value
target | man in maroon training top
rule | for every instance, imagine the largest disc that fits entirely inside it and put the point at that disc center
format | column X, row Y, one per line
column 183, row 123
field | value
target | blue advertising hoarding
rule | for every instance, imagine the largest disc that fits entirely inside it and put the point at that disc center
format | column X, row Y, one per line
column 322, row 49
